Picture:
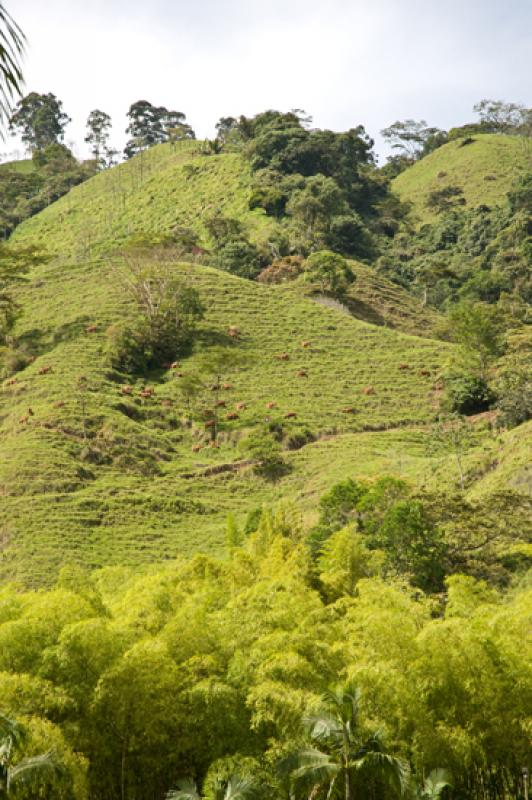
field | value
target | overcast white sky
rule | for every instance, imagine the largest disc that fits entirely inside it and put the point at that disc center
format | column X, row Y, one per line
column 346, row 62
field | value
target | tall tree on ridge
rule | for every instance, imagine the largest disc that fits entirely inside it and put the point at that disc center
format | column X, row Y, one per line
column 98, row 125
column 40, row 120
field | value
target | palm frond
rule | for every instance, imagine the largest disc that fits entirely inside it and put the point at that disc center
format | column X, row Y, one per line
column 435, row 783
column 323, row 726
column 392, row 770
column 11, row 49
column 10, row 729
column 308, row 768
column 29, row 771
column 240, row 787
column 186, row 790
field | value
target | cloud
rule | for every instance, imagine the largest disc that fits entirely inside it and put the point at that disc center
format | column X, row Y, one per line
column 346, row 62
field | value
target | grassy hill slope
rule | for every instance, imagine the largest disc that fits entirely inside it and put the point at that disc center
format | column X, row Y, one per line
column 484, row 169
column 165, row 186
column 97, row 476
column 148, row 498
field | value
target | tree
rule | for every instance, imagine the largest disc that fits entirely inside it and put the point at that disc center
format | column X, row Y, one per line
column 479, row 329
column 330, row 271
column 32, row 771
column 341, row 752
column 236, row 787
column 149, row 125
column 40, row 120
column 413, row 139
column 98, row 125
column 499, row 116
column 201, row 389
column 11, row 48
column 313, row 206
column 167, row 310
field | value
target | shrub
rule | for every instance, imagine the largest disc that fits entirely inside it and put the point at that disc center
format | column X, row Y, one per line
column 330, row 271
column 468, row 394
column 281, row 270
column 239, row 257
column 267, row 454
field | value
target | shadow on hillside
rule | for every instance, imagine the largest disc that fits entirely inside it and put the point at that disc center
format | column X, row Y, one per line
column 39, row 341
column 214, row 338
column 367, row 313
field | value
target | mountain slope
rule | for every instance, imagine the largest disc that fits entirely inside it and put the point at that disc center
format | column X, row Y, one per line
column 58, row 504
column 484, row 169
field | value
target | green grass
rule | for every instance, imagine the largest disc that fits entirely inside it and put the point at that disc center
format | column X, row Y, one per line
column 149, row 498
column 24, row 165
column 484, row 170
column 165, row 186
column 57, row 506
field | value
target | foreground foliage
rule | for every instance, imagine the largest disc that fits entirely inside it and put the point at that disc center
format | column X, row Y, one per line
column 149, row 677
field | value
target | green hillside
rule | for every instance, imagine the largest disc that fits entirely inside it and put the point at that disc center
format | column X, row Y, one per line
column 95, row 473
column 165, row 186
column 484, row 169
column 137, row 505
column 24, row 165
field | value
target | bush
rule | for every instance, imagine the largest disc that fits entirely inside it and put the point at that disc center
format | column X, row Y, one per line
column 330, row 271
column 515, row 395
column 468, row 394
column 267, row 454
column 281, row 270
column 239, row 257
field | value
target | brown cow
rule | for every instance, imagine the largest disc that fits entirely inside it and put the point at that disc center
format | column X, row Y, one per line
column 227, row 386
column 232, row 415
column 221, row 403
column 305, row 344
column 404, row 366
column 91, row 329
column 368, row 390
column 233, row 332
column 271, row 405
column 349, row 410
column 282, row 357
column 302, row 373
column 196, row 448
column 425, row 373
column 290, row 415
column 240, row 406
column 126, row 389
column 45, row 370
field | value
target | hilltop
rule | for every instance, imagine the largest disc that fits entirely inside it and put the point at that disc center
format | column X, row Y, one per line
column 93, row 474
column 484, row 166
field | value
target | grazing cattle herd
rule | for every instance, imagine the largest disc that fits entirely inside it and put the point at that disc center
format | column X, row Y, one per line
column 147, row 393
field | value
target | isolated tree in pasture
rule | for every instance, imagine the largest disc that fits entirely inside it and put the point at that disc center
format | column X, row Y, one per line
column 202, row 388
column 98, row 127
column 500, row 116
column 11, row 49
column 40, row 120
